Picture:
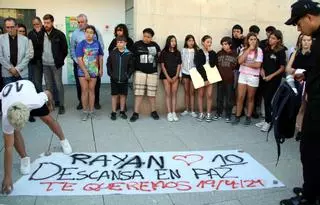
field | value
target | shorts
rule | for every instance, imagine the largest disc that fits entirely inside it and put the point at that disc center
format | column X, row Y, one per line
column 92, row 74
column 40, row 112
column 144, row 82
column 251, row 80
column 186, row 76
column 119, row 88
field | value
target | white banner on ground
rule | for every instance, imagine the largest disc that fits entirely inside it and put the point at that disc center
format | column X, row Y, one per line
column 144, row 173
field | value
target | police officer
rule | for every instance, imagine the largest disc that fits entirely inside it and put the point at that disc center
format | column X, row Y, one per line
column 305, row 14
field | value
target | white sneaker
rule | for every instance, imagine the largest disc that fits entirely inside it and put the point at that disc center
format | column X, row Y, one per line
column 265, row 127
column 170, row 117
column 194, row 114
column 260, row 124
column 66, row 147
column 184, row 113
column 201, row 117
column 25, row 166
column 175, row 117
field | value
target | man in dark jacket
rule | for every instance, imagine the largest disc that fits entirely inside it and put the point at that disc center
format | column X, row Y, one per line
column 306, row 15
column 120, row 68
column 55, row 50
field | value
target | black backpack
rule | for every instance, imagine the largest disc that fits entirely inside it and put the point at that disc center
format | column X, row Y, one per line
column 285, row 107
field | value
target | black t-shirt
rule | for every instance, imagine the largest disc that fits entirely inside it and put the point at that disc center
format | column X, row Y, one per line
column 171, row 61
column 302, row 61
column 13, row 50
column 273, row 60
column 146, row 56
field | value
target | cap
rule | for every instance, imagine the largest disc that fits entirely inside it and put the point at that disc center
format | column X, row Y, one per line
column 302, row 8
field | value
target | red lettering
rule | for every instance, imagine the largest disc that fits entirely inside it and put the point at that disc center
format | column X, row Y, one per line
column 184, row 186
column 232, row 183
column 68, row 186
column 50, row 184
column 133, row 185
column 144, row 186
column 170, row 185
column 93, row 187
column 115, row 186
column 202, row 183
column 219, row 184
column 253, row 183
column 155, row 185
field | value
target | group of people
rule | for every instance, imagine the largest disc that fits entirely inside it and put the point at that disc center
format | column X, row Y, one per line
column 251, row 70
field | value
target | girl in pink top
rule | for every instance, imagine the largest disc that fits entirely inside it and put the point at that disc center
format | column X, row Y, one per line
column 250, row 59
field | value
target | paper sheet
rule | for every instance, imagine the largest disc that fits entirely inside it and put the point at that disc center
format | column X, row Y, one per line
column 212, row 74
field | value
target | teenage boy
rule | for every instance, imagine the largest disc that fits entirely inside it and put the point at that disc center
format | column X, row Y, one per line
column 120, row 68
column 146, row 53
column 227, row 63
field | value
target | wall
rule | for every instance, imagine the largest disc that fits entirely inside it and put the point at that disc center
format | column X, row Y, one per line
column 100, row 13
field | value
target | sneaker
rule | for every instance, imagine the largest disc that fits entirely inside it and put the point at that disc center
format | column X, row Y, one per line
column 155, row 115
column 113, row 116
column 209, row 117
column 217, row 117
column 247, row 122
column 84, row 116
column 92, row 115
column 123, row 115
column 265, row 127
column 79, row 106
column 236, row 121
column 175, row 117
column 25, row 166
column 228, row 120
column 184, row 113
column 298, row 191
column 61, row 110
column 134, row 117
column 97, row 106
column 260, row 124
column 66, row 147
column 170, row 117
column 194, row 114
column 201, row 117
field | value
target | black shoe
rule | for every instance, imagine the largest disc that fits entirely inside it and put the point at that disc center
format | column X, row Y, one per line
column 298, row 191
column 134, row 117
column 296, row 201
column 61, row 110
column 155, row 115
column 236, row 120
column 97, row 106
column 79, row 107
column 31, row 119
column 298, row 136
column 247, row 122
column 113, row 116
column 123, row 115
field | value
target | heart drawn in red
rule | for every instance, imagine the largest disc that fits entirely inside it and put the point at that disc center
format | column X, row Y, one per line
column 189, row 158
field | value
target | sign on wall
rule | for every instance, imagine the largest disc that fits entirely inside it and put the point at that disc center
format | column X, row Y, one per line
column 71, row 25
column 144, row 173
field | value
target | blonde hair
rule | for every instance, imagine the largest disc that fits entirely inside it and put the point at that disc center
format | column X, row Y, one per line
column 18, row 115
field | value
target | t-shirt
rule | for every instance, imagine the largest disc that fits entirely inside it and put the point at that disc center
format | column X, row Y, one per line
column 251, row 58
column 273, row 60
column 187, row 56
column 171, row 61
column 227, row 62
column 302, row 61
column 146, row 56
column 20, row 91
column 90, row 53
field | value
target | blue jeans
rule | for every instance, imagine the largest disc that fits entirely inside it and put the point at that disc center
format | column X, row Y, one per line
column 7, row 80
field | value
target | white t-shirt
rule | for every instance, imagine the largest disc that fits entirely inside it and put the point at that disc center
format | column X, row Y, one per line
column 187, row 56
column 21, row 91
column 251, row 58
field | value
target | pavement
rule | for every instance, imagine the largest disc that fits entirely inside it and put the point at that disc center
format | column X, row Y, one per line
column 103, row 135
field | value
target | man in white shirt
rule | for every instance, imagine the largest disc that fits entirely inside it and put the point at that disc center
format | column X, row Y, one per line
column 18, row 99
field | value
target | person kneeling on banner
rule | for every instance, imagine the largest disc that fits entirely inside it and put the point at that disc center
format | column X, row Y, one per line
column 19, row 100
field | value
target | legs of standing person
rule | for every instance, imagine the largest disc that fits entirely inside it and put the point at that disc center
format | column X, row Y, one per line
column 209, row 90
column 269, row 89
column 84, row 94
column 152, row 85
column 57, row 76
column 186, row 86
column 241, row 93
column 192, row 96
column 167, row 88
column 92, row 85
column 229, row 93
column 37, row 75
column 200, row 99
column 250, row 99
column 123, row 100
column 140, row 84
column 76, row 77
column 48, row 77
column 220, row 98
column 114, row 103
column 174, row 90
column 97, row 93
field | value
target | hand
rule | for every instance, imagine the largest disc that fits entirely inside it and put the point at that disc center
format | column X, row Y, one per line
column 169, row 79
column 299, row 77
column 262, row 73
column 267, row 78
column 7, row 185
column 206, row 83
column 100, row 73
column 86, row 75
column 174, row 78
column 14, row 72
